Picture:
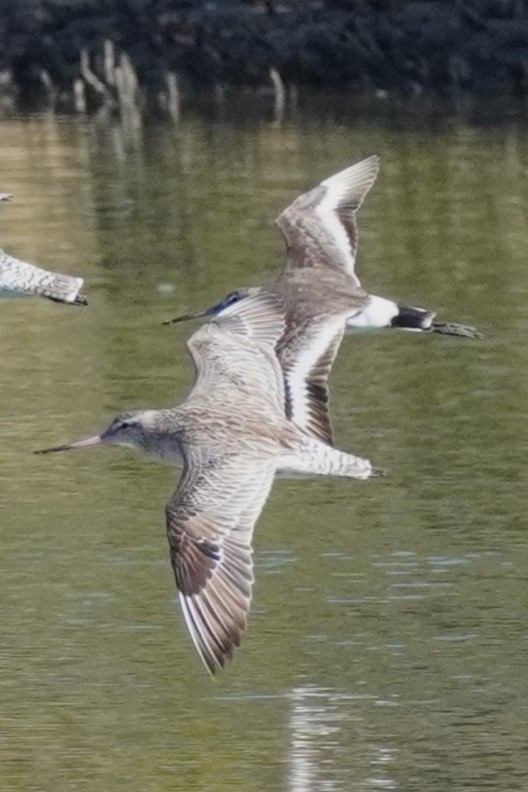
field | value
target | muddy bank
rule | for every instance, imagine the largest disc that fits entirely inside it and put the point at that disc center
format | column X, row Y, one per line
column 151, row 54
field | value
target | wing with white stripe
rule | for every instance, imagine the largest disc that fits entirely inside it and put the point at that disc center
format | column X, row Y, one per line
column 306, row 360
column 320, row 226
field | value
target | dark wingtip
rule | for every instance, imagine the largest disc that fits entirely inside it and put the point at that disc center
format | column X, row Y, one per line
column 377, row 473
column 79, row 300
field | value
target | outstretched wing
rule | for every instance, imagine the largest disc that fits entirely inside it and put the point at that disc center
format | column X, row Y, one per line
column 306, row 355
column 320, row 225
column 234, row 353
column 210, row 521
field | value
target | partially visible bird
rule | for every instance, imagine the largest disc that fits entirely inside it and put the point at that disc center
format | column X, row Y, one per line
column 231, row 434
column 20, row 279
column 322, row 295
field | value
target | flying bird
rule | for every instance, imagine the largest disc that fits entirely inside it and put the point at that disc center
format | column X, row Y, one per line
column 20, row 279
column 322, row 295
column 231, row 435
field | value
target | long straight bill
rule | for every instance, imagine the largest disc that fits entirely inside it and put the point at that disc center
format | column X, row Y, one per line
column 89, row 441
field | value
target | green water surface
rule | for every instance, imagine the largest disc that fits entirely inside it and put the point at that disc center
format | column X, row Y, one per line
column 387, row 645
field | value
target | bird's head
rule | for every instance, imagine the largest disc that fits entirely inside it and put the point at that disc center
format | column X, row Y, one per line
column 214, row 310
column 127, row 429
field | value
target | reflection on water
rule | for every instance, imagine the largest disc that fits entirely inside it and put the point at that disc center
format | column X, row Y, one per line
column 314, row 725
column 317, row 723
column 386, row 646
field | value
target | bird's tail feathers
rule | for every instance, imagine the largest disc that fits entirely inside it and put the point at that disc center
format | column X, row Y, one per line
column 61, row 288
column 416, row 319
column 310, row 457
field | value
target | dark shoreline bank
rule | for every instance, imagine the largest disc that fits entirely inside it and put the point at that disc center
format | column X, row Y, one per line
column 134, row 55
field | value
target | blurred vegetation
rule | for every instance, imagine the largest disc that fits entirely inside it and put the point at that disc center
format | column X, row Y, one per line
column 87, row 53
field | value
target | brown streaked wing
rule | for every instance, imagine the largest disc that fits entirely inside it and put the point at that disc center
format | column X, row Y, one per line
column 320, row 226
column 210, row 521
column 306, row 361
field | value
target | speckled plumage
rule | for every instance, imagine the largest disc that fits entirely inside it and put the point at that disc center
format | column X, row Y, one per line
column 21, row 279
column 322, row 295
column 231, row 434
